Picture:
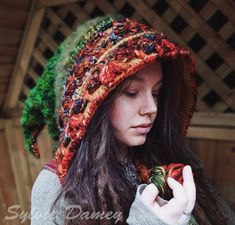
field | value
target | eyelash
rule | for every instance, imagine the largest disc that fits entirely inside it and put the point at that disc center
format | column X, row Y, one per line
column 131, row 94
column 155, row 95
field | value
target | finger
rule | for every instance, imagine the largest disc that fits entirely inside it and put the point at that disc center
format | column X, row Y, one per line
column 149, row 194
column 178, row 191
column 190, row 187
column 188, row 174
column 180, row 199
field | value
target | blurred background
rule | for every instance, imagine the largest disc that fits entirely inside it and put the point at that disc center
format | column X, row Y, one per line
column 29, row 33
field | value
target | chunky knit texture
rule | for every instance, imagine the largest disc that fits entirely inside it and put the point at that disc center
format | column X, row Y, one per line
column 87, row 66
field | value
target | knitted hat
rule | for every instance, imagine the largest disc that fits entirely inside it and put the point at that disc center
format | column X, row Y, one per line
column 86, row 67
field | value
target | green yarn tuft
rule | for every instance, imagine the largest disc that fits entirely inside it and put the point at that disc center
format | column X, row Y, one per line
column 39, row 107
column 43, row 103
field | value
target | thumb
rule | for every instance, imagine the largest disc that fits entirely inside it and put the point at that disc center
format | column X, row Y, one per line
column 149, row 194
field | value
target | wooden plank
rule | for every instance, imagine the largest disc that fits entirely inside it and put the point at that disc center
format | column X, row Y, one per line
column 226, row 8
column 3, row 89
column 227, row 30
column 45, row 146
column 218, row 161
column 225, row 168
column 102, row 5
column 169, row 15
column 58, row 22
column 41, row 47
column 187, row 33
column 3, row 209
column 22, row 4
column 10, row 36
column 205, row 52
column 23, row 58
column 4, row 79
column 78, row 12
column 211, row 133
column 219, row 106
column 213, row 119
column 49, row 3
column 8, row 54
column 90, row 6
column 207, row 11
column 48, row 40
column 223, row 70
column 2, row 96
column 12, row 113
column 205, row 31
column 23, row 159
column 216, row 83
column 61, row 13
column 25, row 90
column 16, row 160
column 136, row 16
column 203, row 90
column 7, row 20
column 6, row 59
column 33, row 74
column 35, row 166
column 6, row 69
column 7, row 180
column 118, row 4
column 205, row 149
column 39, row 57
column 202, row 107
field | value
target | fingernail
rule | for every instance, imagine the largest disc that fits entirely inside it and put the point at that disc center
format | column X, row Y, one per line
column 152, row 187
column 188, row 167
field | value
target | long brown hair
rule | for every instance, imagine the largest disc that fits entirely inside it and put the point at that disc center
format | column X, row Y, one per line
column 96, row 181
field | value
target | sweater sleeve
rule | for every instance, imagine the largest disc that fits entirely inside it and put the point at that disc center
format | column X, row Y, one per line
column 141, row 214
column 44, row 192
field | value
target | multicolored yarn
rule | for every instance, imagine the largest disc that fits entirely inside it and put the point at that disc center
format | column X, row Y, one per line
column 158, row 175
column 43, row 103
column 110, row 50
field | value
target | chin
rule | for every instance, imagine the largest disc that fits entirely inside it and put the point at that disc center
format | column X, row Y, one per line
column 137, row 141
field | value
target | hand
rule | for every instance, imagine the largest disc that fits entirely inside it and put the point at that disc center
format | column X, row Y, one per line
column 183, row 201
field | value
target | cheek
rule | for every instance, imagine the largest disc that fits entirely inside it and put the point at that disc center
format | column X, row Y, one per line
column 121, row 114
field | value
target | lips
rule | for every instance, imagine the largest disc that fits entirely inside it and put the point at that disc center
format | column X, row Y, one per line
column 144, row 125
column 143, row 128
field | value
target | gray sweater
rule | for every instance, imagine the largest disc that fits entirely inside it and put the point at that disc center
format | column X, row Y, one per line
column 45, row 190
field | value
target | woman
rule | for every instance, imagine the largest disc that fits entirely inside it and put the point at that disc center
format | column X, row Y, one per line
column 118, row 98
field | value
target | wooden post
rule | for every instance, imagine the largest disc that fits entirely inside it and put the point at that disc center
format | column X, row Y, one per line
column 25, row 52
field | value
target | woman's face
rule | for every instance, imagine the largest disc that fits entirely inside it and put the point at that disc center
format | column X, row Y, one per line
column 135, row 110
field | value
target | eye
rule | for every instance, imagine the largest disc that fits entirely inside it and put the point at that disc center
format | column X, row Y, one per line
column 155, row 94
column 130, row 94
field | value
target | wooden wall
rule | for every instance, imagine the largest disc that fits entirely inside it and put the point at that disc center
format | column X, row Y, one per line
column 218, row 158
column 19, row 170
column 13, row 20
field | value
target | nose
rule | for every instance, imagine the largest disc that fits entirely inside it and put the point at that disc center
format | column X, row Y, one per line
column 149, row 105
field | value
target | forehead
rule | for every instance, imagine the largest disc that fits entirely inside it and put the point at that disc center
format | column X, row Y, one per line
column 150, row 74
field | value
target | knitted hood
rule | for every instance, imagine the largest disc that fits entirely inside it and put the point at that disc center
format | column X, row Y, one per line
column 86, row 67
